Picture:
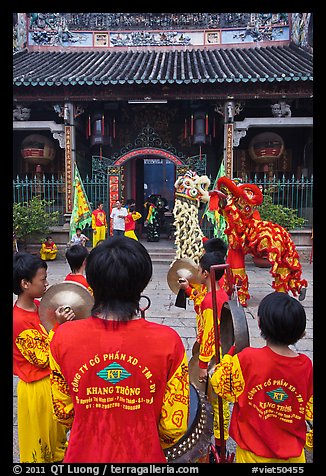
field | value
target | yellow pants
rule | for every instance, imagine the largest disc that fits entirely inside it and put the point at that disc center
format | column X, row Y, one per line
column 226, row 418
column 99, row 235
column 41, row 438
column 48, row 255
column 244, row 456
column 131, row 234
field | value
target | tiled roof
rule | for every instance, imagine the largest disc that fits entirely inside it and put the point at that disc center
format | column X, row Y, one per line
column 218, row 65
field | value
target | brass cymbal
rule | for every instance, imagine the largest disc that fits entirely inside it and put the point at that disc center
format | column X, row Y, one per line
column 67, row 293
column 193, row 366
column 182, row 268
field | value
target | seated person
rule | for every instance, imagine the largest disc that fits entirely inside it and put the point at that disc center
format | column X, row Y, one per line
column 79, row 238
column 76, row 256
column 48, row 250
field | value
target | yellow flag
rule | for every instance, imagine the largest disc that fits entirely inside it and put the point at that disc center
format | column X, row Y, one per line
column 81, row 215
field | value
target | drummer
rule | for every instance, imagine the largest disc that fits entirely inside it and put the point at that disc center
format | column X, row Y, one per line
column 120, row 383
column 41, row 439
column 205, row 322
column 197, row 292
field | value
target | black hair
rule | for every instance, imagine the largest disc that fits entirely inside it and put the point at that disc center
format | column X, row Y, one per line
column 25, row 266
column 118, row 271
column 131, row 208
column 78, row 229
column 75, row 256
column 212, row 258
column 215, row 244
column 282, row 318
column 99, row 203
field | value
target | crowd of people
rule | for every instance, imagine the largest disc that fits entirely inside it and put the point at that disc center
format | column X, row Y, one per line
column 115, row 387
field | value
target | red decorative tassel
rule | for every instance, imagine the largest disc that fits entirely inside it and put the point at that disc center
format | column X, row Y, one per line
column 206, row 127
column 89, row 126
column 113, row 128
column 200, row 152
column 185, row 129
column 192, row 125
column 102, row 130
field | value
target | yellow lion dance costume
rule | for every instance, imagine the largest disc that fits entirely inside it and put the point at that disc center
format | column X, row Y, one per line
column 191, row 190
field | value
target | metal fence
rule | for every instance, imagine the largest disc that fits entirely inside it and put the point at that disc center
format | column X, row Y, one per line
column 291, row 193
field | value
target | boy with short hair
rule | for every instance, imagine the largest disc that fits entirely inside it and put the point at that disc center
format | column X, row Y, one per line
column 271, row 387
column 120, row 381
column 41, row 439
column 99, row 224
column 76, row 257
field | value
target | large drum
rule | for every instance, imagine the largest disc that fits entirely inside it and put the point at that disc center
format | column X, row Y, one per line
column 194, row 446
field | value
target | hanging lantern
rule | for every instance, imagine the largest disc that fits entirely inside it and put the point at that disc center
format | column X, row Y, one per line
column 97, row 137
column 38, row 149
column 97, row 130
column 266, row 147
column 199, row 128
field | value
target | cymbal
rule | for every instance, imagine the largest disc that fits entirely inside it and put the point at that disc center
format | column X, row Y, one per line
column 182, row 268
column 67, row 293
column 202, row 385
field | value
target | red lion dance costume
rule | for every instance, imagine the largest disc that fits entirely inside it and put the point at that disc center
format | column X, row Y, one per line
column 248, row 234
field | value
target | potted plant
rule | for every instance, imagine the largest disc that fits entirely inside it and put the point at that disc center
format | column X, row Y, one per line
column 286, row 217
column 31, row 220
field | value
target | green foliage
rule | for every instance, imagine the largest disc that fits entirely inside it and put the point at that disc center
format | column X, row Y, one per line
column 283, row 216
column 32, row 218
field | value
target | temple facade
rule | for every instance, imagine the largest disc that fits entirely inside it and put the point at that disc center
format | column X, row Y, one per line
column 135, row 99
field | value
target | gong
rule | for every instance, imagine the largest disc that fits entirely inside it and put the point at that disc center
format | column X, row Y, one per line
column 233, row 327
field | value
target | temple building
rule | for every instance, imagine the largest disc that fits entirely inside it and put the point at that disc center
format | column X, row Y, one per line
column 135, row 99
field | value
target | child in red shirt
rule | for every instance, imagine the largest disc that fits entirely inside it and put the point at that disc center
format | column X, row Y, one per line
column 271, row 387
column 41, row 439
column 206, row 328
column 76, row 256
column 119, row 381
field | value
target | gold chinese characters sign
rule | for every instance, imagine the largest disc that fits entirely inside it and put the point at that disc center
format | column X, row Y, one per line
column 68, row 169
column 229, row 151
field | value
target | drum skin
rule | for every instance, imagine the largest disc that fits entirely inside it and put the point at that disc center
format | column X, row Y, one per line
column 193, row 446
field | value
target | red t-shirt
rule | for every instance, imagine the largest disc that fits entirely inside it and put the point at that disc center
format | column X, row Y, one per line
column 117, row 376
column 78, row 278
column 271, row 409
column 30, row 345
